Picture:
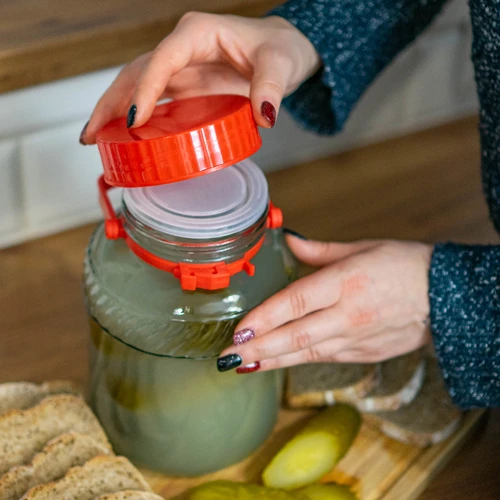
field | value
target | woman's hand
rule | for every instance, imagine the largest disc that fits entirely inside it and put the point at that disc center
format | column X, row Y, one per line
column 368, row 303
column 211, row 54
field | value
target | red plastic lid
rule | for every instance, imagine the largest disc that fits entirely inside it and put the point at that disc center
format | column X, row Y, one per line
column 183, row 139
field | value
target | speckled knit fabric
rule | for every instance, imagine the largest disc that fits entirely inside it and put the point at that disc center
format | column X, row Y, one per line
column 356, row 40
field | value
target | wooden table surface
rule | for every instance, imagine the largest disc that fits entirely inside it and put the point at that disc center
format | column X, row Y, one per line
column 425, row 186
column 45, row 40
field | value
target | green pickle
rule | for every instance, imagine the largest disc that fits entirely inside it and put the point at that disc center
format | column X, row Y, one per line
column 223, row 490
column 153, row 348
column 329, row 492
column 315, row 450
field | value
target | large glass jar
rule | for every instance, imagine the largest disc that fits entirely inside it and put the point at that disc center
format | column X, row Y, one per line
column 154, row 381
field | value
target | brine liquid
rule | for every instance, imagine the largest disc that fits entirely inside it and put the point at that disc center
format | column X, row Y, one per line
column 176, row 415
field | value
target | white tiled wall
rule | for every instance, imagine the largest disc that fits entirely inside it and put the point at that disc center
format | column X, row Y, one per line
column 47, row 106
column 48, row 181
column 11, row 206
column 58, row 176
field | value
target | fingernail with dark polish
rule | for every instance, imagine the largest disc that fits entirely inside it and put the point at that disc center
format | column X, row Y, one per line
column 253, row 367
column 243, row 336
column 82, row 135
column 131, row 115
column 294, row 233
column 268, row 111
column 228, row 362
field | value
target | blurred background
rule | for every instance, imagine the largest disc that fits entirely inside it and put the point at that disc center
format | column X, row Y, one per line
column 56, row 58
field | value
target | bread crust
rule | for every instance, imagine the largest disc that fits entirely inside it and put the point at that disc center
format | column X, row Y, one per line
column 315, row 386
column 52, row 463
column 131, row 495
column 390, row 395
column 23, row 395
column 25, row 432
column 99, row 476
column 429, row 419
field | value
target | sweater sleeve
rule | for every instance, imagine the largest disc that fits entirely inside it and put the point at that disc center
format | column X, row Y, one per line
column 465, row 280
column 356, row 40
column 465, row 321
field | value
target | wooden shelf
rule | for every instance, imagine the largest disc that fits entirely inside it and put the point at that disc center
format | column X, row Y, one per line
column 43, row 41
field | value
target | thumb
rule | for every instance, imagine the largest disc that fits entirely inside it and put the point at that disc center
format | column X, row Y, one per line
column 320, row 253
column 272, row 71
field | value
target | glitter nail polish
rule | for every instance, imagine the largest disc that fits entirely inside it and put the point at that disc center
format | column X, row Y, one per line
column 243, row 336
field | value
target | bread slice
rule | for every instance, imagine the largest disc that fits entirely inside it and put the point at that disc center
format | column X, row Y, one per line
column 322, row 384
column 401, row 379
column 131, row 495
column 100, row 475
column 22, row 395
column 52, row 463
column 430, row 418
column 25, row 432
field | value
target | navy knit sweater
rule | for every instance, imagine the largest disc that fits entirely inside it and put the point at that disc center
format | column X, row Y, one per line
column 356, row 40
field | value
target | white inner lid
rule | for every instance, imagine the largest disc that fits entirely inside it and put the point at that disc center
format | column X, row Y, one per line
column 207, row 207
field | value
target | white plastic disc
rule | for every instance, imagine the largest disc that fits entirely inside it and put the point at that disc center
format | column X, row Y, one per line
column 212, row 206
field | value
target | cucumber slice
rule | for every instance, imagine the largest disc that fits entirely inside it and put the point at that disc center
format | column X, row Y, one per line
column 315, row 450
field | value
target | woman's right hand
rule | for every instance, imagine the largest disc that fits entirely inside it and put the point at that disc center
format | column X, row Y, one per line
column 265, row 59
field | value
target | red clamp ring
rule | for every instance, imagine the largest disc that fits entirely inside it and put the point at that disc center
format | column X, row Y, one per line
column 192, row 276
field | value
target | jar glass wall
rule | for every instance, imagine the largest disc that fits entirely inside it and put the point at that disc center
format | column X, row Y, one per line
column 154, row 381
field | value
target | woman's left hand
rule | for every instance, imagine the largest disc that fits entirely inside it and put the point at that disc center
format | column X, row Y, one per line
column 368, row 302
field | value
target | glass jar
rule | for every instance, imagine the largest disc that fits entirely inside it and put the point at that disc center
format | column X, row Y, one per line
column 154, row 381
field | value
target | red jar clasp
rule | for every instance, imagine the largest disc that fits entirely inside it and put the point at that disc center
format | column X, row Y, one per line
column 274, row 217
column 113, row 226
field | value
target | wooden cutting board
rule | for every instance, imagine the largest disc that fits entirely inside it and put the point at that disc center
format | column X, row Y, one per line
column 377, row 467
